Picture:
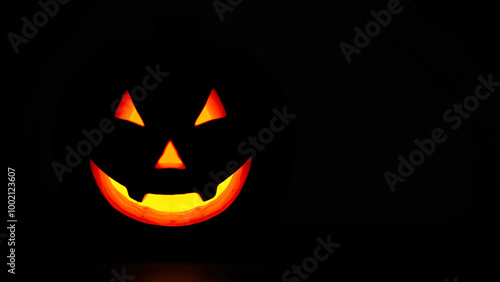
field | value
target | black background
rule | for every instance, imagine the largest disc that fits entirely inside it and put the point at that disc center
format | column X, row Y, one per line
column 353, row 120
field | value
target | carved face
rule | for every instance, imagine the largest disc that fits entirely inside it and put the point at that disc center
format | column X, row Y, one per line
column 171, row 209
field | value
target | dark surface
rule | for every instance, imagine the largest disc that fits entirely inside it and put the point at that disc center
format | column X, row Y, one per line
column 323, row 175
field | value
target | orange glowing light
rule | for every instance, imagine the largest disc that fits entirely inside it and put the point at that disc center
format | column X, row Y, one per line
column 127, row 111
column 213, row 109
column 170, row 158
column 171, row 210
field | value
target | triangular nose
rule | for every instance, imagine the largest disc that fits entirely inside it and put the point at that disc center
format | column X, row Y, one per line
column 170, row 158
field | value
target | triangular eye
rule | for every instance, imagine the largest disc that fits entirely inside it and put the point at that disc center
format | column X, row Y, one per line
column 127, row 111
column 213, row 109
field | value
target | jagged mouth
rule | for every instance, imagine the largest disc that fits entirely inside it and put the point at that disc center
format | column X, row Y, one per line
column 171, row 210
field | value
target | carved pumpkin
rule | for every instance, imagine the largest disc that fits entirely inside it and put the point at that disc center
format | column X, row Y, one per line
column 131, row 154
column 173, row 153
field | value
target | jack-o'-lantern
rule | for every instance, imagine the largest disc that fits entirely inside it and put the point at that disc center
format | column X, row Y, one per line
column 179, row 153
column 157, row 145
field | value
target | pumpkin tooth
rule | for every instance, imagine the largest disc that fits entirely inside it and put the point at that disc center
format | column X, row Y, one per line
column 136, row 194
